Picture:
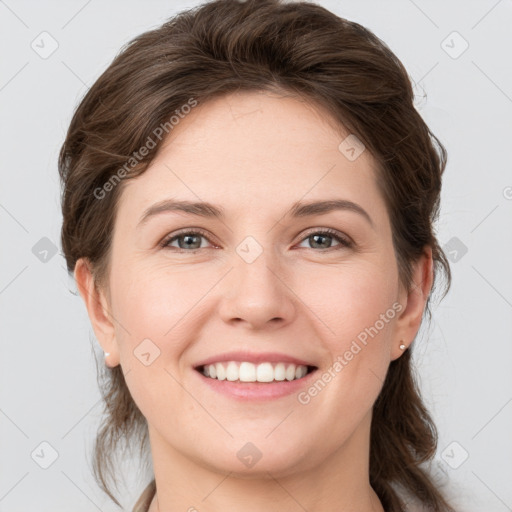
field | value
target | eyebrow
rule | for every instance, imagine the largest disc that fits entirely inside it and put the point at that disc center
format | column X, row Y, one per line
column 209, row 210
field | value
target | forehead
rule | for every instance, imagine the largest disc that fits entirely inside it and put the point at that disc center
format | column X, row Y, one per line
column 254, row 150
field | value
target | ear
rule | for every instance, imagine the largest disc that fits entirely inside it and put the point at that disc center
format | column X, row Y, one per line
column 98, row 309
column 413, row 301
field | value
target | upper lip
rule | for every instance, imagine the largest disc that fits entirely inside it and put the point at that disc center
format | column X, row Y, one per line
column 252, row 357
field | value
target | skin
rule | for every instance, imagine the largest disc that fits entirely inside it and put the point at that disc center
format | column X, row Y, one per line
column 255, row 154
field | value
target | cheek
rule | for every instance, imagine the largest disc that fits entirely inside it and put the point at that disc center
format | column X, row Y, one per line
column 359, row 352
column 356, row 329
column 351, row 299
column 153, row 299
column 360, row 313
column 153, row 309
column 161, row 312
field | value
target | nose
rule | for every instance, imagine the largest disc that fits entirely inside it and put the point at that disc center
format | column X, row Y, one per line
column 258, row 294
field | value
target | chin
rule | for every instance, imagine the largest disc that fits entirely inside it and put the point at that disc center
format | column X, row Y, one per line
column 256, row 459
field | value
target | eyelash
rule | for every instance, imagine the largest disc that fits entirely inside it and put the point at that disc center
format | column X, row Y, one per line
column 344, row 242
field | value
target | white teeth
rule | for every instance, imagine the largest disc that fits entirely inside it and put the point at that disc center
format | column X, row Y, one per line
column 221, row 371
column 265, row 372
column 300, row 372
column 247, row 372
column 290, row 372
column 280, row 371
column 232, row 372
column 250, row 372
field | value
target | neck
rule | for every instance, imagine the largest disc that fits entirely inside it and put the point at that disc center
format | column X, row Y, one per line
column 369, row 503
column 340, row 483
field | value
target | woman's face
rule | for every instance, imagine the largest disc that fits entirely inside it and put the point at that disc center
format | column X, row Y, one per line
column 258, row 280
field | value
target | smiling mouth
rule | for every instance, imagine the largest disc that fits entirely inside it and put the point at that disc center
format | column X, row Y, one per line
column 266, row 372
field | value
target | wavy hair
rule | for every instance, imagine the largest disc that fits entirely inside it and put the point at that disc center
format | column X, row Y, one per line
column 295, row 48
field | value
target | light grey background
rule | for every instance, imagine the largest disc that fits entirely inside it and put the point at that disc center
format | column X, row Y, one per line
column 48, row 387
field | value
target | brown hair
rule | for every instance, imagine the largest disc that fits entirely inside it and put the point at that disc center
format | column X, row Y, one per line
column 296, row 48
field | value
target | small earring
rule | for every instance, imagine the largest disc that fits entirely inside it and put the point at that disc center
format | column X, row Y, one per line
column 107, row 354
column 402, row 346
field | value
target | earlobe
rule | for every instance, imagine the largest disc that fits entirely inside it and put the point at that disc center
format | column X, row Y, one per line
column 409, row 321
column 98, row 310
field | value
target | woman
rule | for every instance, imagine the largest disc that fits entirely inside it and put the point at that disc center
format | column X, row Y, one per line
column 248, row 206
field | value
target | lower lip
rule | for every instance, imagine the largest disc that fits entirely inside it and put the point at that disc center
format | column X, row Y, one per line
column 257, row 390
